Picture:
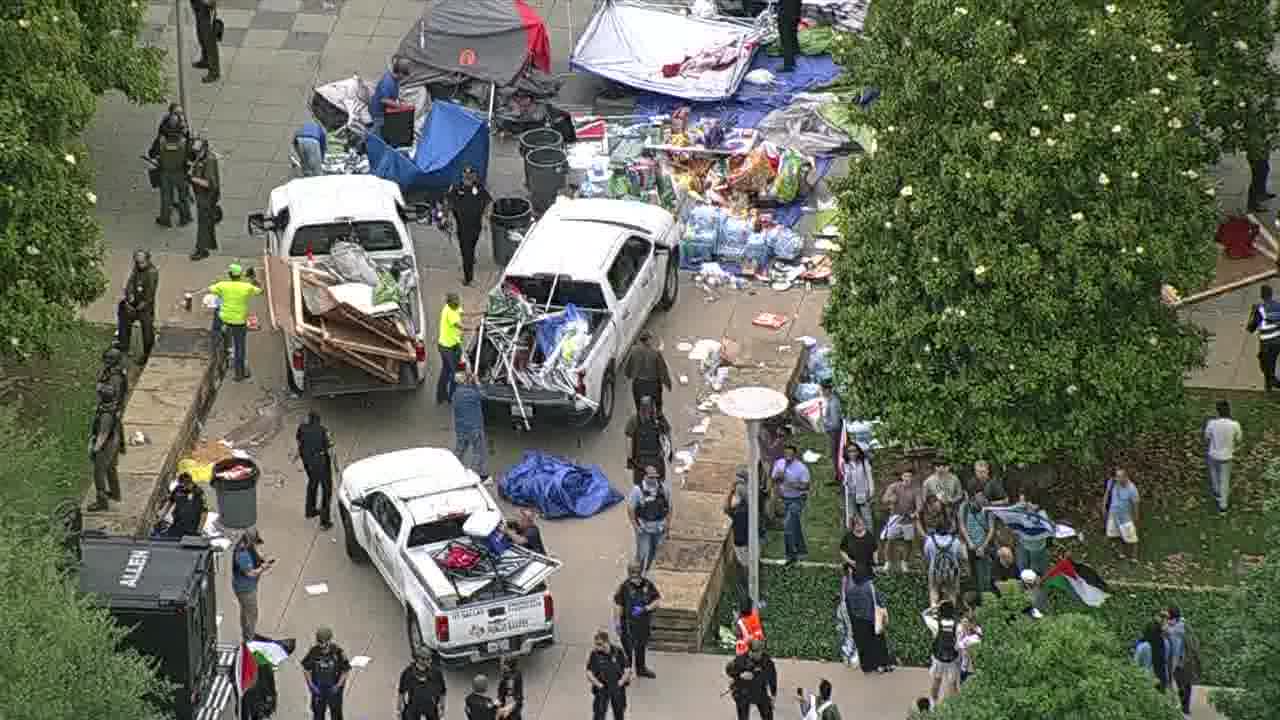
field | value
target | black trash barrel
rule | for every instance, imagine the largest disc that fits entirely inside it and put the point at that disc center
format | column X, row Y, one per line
column 544, row 174
column 540, row 137
column 511, row 217
column 236, row 482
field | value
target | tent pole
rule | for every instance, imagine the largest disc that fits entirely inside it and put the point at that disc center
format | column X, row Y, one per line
column 573, row 37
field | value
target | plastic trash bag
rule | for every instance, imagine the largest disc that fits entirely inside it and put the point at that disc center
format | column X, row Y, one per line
column 785, row 243
column 757, row 249
column 786, row 185
column 387, row 290
column 760, row 76
column 703, row 218
column 732, row 244
column 352, row 263
column 806, row 391
column 820, row 364
column 811, row 411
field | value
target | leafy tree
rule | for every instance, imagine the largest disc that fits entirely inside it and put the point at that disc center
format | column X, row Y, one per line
column 1061, row 666
column 1036, row 183
column 58, row 55
column 1252, row 630
column 61, row 658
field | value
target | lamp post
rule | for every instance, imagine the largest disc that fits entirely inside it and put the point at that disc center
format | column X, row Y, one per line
column 753, row 404
column 182, row 59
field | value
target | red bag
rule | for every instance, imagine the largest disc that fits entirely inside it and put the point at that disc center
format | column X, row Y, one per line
column 1236, row 236
column 458, row 557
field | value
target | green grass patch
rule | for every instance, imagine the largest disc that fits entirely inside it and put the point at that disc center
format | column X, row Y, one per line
column 46, row 409
column 799, row 619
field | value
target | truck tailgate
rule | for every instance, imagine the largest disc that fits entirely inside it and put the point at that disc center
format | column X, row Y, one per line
column 328, row 379
column 495, row 621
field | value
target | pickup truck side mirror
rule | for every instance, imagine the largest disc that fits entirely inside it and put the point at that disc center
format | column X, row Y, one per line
column 259, row 223
column 362, row 503
column 420, row 213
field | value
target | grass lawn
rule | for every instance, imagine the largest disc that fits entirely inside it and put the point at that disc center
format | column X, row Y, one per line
column 799, row 620
column 46, row 408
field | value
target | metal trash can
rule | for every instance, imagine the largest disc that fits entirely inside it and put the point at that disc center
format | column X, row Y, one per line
column 540, row 137
column 236, row 482
column 511, row 216
column 544, row 174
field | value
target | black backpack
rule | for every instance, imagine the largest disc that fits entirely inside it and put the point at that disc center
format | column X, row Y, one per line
column 653, row 506
column 944, row 643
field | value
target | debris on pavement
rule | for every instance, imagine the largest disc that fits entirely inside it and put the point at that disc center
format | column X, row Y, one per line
column 317, row 589
column 773, row 321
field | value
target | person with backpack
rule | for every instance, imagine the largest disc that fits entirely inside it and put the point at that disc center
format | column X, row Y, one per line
column 944, row 668
column 942, row 560
column 649, row 509
column 820, row 706
column 650, row 436
column 1184, row 656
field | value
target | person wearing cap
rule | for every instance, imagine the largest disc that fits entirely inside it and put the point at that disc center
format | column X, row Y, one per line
column 315, row 449
column 470, row 444
column 753, row 681
column 450, row 345
column 233, row 313
column 634, row 603
column 421, row 692
column 206, row 181
column 649, row 509
column 467, row 202
column 650, row 436
column 247, row 567
column 1034, row 589
column 325, row 668
column 138, row 304
column 106, row 442
column 479, row 706
column 186, row 509
column 609, row 673
column 647, row 369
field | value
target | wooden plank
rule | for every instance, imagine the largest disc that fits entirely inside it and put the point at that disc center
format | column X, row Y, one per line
column 359, row 340
column 365, row 363
column 1224, row 289
column 683, row 593
column 711, row 477
column 698, row 516
column 278, row 281
column 391, row 330
column 696, row 556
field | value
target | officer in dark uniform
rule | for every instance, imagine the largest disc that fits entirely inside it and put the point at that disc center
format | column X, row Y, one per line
column 139, row 304
column 479, row 706
column 650, row 436
column 170, row 150
column 609, row 675
column 207, row 183
column 468, row 202
column 188, row 507
column 115, row 374
column 206, row 11
column 754, row 681
column 421, row 692
column 314, row 448
column 325, row 668
column 634, row 604
column 106, row 442
column 1264, row 319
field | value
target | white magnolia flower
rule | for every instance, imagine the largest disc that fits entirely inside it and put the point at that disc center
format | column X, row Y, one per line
column 1035, row 131
column 55, row 18
column 1213, row 13
column 961, row 312
column 13, row 341
column 906, row 191
column 995, row 136
column 24, row 24
column 1191, row 174
column 1139, row 250
column 1240, row 45
column 1133, row 58
column 93, row 199
column 1153, row 341
column 1116, row 129
column 928, row 348
column 1155, row 91
column 1072, row 389
column 1020, row 59
column 1175, row 123
column 1044, row 108
column 1134, row 174
column 980, row 271
column 1166, row 109
column 1171, row 77
column 133, row 5
column 918, row 366
column 1210, row 192
column 1241, row 104
column 1103, row 179
column 1157, row 49
column 33, row 250
column 1069, row 117
column 893, row 279
column 962, row 11
column 1215, row 82
column 934, row 259
column 888, row 225
column 989, row 104
column 1077, row 216
column 891, row 128
column 71, row 159
column 1012, row 366
column 1111, row 9
column 1050, row 142
column 968, row 175
column 1093, row 32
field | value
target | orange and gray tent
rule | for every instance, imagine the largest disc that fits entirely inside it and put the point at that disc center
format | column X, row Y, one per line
column 491, row 41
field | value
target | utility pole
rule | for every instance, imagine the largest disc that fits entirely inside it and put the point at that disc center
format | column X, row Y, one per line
column 182, row 59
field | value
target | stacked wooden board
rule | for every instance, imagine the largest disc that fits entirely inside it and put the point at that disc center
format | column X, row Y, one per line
column 338, row 321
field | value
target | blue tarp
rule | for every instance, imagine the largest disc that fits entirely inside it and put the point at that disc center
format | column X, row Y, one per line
column 557, row 487
column 549, row 328
column 451, row 138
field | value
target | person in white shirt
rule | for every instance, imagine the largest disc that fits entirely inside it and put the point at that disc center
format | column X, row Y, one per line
column 859, row 485
column 1221, row 435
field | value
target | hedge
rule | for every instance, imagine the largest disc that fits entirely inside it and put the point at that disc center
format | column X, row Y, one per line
column 799, row 617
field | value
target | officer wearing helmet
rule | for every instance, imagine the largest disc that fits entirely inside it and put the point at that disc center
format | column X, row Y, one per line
column 421, row 693
column 233, row 312
column 105, row 445
column 114, row 373
column 138, row 304
column 207, row 184
column 170, row 151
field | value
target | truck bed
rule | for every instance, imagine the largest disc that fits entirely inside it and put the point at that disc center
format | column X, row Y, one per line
column 331, row 379
column 596, row 319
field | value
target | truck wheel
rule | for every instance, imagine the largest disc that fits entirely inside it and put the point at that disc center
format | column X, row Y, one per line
column 354, row 551
column 604, row 412
column 671, row 285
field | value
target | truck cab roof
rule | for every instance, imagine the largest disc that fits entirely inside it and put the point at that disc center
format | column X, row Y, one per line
column 324, row 199
column 429, row 482
column 580, row 238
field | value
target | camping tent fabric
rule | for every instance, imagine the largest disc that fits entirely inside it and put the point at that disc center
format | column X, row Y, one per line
column 630, row 42
column 557, row 487
column 487, row 40
column 451, row 137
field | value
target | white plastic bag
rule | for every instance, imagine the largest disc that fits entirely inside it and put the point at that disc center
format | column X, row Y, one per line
column 759, row 76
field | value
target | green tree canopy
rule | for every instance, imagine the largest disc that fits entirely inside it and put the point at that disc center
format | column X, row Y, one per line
column 1036, row 183
column 1066, row 667
column 58, row 56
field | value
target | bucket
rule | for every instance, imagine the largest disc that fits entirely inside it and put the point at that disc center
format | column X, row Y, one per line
column 544, row 173
column 511, row 217
column 540, row 137
column 236, row 482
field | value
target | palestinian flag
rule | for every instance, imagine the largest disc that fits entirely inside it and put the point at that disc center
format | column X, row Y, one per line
column 1079, row 579
column 261, row 652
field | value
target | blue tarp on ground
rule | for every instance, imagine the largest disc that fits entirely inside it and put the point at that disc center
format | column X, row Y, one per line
column 557, row 487
column 451, row 138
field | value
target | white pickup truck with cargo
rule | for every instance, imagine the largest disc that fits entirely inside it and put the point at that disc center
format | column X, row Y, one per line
column 434, row 534
column 339, row 339
column 600, row 266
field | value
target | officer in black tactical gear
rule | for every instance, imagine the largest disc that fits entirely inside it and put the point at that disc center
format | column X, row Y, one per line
column 106, row 442
column 207, row 183
column 206, row 12
column 754, row 680
column 114, row 373
column 170, row 151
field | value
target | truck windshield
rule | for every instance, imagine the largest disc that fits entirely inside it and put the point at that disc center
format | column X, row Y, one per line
column 449, row 528
column 374, row 236
column 538, row 289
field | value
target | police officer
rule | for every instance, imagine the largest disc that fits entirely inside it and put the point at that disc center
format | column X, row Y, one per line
column 422, row 689
column 114, row 373
column 206, row 12
column 650, row 435
column 106, row 442
column 479, row 706
column 138, row 304
column 648, row 371
column 754, row 681
column 325, row 668
column 207, row 183
column 511, row 687
column 634, row 604
column 188, row 508
column 467, row 203
column 170, row 150
column 609, row 674
column 1265, row 320
column 314, row 448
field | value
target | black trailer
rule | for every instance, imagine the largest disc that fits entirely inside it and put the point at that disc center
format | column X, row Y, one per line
column 164, row 591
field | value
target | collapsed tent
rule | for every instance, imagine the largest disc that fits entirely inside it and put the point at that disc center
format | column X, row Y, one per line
column 557, row 487
column 451, row 138
column 664, row 50
column 487, row 40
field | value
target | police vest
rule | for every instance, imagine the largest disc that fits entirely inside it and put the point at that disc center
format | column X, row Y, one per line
column 173, row 154
column 1269, row 326
column 749, row 628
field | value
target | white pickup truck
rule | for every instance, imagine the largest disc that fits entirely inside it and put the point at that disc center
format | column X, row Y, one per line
column 405, row 511
column 303, row 219
column 615, row 261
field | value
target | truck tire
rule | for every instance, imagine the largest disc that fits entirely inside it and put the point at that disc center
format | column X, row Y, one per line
column 670, row 285
column 354, row 551
column 608, row 394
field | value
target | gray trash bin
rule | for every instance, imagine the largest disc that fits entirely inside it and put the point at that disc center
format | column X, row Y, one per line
column 540, row 137
column 236, row 482
column 545, row 169
column 511, row 217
